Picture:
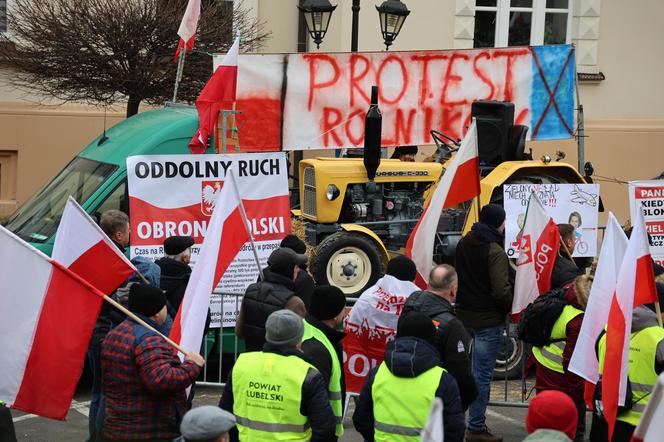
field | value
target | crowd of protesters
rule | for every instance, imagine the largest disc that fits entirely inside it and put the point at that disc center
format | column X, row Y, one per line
column 290, row 385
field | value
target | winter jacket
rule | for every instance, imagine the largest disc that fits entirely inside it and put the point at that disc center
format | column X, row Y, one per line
column 452, row 340
column 409, row 357
column 314, row 404
column 317, row 355
column 567, row 382
column 564, row 272
column 260, row 300
column 144, row 383
column 545, row 435
column 174, row 279
column 303, row 286
column 485, row 291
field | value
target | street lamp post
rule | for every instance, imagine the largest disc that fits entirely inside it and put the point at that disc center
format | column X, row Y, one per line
column 317, row 14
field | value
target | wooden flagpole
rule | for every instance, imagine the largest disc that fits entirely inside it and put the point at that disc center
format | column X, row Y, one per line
column 133, row 316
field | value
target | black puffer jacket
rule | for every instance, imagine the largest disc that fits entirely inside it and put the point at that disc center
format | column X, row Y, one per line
column 409, row 357
column 174, row 279
column 260, row 300
column 452, row 340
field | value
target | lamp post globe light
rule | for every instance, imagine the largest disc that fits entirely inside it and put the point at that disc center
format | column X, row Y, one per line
column 317, row 14
column 392, row 15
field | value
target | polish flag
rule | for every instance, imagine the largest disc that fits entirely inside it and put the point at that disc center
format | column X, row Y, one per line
column 188, row 25
column 219, row 91
column 584, row 359
column 460, row 182
column 651, row 426
column 82, row 247
column 227, row 233
column 635, row 286
column 47, row 314
column 537, row 254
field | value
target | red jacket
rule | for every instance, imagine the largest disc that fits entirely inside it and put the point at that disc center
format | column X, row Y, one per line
column 568, row 382
column 144, row 384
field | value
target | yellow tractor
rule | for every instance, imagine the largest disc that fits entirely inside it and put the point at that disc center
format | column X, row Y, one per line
column 355, row 225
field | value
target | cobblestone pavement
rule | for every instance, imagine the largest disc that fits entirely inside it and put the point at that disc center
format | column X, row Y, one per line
column 505, row 421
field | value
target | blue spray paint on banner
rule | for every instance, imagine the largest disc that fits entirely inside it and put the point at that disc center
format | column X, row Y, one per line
column 552, row 98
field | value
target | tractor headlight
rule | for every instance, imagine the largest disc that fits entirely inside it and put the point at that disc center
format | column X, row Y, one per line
column 332, row 192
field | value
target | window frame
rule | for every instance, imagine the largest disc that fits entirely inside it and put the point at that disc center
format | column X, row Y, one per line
column 538, row 19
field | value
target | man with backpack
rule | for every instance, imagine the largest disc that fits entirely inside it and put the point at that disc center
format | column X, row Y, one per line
column 552, row 324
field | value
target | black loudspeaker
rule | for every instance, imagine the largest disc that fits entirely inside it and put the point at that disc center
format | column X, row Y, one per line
column 494, row 120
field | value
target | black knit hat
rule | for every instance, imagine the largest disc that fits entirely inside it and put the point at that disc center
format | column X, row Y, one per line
column 493, row 215
column 174, row 245
column 294, row 243
column 417, row 325
column 145, row 299
column 283, row 261
column 402, row 268
column 327, row 302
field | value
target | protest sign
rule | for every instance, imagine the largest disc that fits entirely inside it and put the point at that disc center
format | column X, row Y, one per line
column 319, row 100
column 175, row 195
column 649, row 197
column 575, row 204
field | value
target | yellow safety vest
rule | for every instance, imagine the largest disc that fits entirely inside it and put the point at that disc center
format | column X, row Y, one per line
column 334, row 386
column 551, row 356
column 401, row 405
column 641, row 370
column 267, row 393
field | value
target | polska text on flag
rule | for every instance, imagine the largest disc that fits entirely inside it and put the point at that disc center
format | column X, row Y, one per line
column 459, row 183
column 82, row 247
column 538, row 249
column 47, row 314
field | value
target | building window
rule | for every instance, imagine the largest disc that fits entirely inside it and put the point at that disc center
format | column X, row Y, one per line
column 500, row 23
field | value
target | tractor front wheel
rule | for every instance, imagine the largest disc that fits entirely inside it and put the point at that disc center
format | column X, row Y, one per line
column 350, row 261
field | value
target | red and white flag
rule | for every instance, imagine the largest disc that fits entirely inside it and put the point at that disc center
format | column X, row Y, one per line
column 538, row 249
column 651, row 426
column 460, row 182
column 82, row 247
column 227, row 233
column 47, row 314
column 219, row 91
column 635, row 286
column 188, row 25
column 584, row 359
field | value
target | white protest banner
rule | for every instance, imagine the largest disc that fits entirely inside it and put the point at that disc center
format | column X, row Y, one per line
column 175, row 195
column 649, row 196
column 575, row 204
column 318, row 100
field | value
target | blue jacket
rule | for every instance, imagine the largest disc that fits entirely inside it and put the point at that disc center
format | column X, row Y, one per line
column 409, row 357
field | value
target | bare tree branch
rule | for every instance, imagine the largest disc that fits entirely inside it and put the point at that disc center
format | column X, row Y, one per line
column 104, row 51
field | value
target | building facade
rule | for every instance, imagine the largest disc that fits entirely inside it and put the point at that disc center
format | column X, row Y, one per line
column 618, row 52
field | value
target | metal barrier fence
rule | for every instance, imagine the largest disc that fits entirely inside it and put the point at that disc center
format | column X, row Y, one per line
column 221, row 347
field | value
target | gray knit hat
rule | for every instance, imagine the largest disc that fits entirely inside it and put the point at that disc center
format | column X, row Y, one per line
column 205, row 423
column 284, row 327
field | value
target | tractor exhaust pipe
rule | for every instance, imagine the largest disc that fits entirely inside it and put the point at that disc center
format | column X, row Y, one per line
column 373, row 124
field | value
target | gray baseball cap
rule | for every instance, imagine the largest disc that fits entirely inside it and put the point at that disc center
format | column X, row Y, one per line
column 205, row 423
column 284, row 327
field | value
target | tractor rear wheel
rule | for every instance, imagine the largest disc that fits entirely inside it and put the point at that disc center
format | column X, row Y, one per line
column 350, row 261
